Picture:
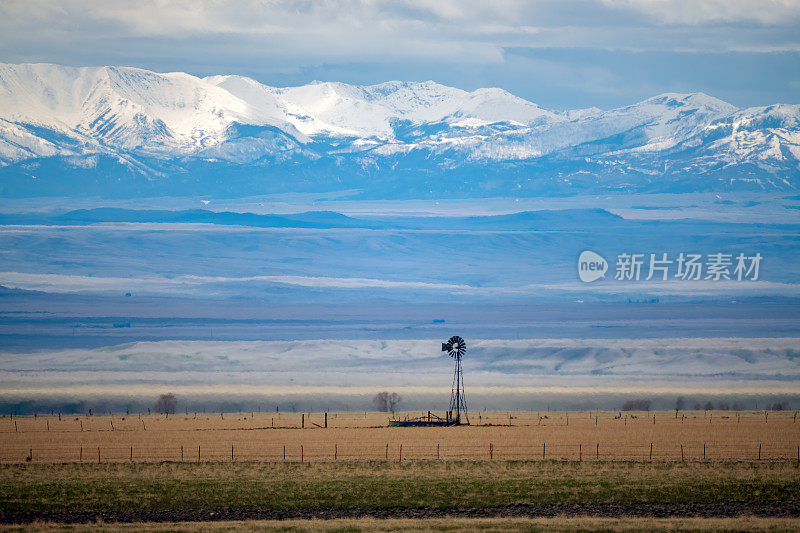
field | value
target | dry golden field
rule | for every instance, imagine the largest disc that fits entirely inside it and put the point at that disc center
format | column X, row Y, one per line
column 573, row 436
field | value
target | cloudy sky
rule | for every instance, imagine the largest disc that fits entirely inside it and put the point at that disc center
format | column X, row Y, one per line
column 558, row 53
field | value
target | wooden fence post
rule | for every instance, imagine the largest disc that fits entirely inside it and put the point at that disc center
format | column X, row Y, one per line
column 491, row 451
column 544, row 448
column 302, row 421
column 704, row 451
column 437, row 451
column 301, row 453
column 759, row 451
column 131, row 453
column 387, row 451
column 198, row 453
column 181, row 453
column 80, row 458
column 401, row 453
column 98, row 455
column 597, row 457
column 231, row 452
column 580, row 452
column 335, row 450
column 326, row 420
column 683, row 459
column 651, row 452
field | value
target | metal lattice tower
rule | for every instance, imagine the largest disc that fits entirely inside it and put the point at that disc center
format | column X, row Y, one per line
column 456, row 347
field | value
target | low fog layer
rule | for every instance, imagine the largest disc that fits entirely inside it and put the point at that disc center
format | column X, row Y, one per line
column 342, row 374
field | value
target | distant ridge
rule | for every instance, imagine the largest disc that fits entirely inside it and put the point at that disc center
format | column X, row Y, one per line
column 317, row 219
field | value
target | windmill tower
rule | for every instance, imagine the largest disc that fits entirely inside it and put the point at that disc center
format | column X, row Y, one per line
column 456, row 347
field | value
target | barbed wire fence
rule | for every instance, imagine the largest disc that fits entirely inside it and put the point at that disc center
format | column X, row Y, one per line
column 399, row 452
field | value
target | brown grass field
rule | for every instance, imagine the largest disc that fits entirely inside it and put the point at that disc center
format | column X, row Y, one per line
column 412, row 495
column 570, row 436
column 409, row 496
column 517, row 471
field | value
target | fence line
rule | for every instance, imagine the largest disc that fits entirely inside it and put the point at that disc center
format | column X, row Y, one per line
column 75, row 423
column 434, row 451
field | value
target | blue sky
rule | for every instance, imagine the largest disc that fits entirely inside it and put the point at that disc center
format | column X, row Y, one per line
column 559, row 54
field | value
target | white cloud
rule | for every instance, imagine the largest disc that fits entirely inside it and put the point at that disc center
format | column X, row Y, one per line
column 462, row 32
column 697, row 12
column 576, row 49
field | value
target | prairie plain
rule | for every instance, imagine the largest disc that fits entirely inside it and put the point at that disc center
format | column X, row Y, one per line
column 320, row 437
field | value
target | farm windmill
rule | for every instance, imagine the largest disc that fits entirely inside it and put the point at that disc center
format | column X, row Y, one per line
column 456, row 347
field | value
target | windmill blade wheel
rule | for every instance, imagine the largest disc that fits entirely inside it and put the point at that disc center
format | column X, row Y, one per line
column 455, row 346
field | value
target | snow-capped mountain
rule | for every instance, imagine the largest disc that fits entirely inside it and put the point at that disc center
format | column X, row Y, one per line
column 66, row 130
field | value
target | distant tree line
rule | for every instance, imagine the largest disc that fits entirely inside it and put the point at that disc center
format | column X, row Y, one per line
column 681, row 405
column 778, row 406
column 738, row 406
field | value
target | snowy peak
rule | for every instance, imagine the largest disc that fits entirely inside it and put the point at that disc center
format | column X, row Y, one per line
column 122, row 107
column 101, row 119
column 653, row 125
column 697, row 100
column 368, row 111
column 778, row 116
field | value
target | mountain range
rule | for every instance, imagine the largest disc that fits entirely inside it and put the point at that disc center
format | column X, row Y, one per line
column 121, row 131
